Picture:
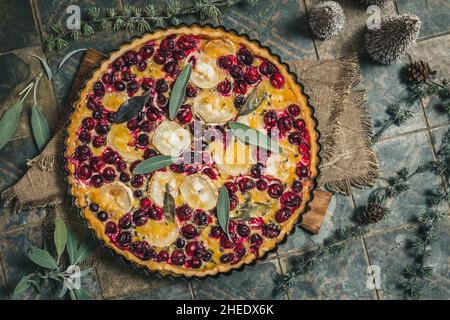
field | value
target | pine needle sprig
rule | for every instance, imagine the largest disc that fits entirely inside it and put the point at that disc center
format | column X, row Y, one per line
column 139, row 19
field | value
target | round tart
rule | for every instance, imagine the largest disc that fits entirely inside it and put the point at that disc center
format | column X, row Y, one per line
column 267, row 190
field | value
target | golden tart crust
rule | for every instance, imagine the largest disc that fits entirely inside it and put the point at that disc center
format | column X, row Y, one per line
column 220, row 42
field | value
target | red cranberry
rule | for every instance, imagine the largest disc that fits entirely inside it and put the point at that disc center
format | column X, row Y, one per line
column 246, row 184
column 108, row 78
column 245, row 56
column 261, row 185
column 111, row 117
column 111, row 228
column 121, row 165
column 271, row 231
column 267, row 68
column 243, row 230
column 228, row 242
column 216, row 232
column 193, row 248
column 200, row 218
column 137, row 181
column 130, row 58
column 184, row 213
column 163, row 255
column 142, row 65
column 142, row 250
column 93, row 207
column 186, row 42
column 224, row 87
column 303, row 148
column 191, row 91
column 299, row 124
column 145, row 203
column 179, row 55
column 178, row 167
column 178, row 257
column 84, row 172
column 167, row 44
column 88, row 123
column 146, row 51
column 96, row 164
column 140, row 217
column 252, row 75
column 132, row 88
column 270, row 118
column 301, row 171
column 284, row 123
column 152, row 114
column 147, row 84
column 92, row 103
column 109, row 174
column 234, row 201
column 110, row 156
column 227, row 258
column 256, row 240
column 97, row 114
column 210, row 173
column 297, row 186
column 171, row 68
column 82, row 153
column 180, row 243
column 294, row 110
column 102, row 216
column 295, row 137
column 189, row 231
column 117, row 64
column 119, row 85
column 99, row 89
column 240, row 87
column 256, row 170
column 124, row 177
column 277, row 80
column 184, row 115
column 125, row 221
column 162, row 101
column 275, row 190
column 143, row 140
column 236, row 72
column 239, row 251
column 227, row 62
column 239, row 101
column 155, row 213
column 231, row 186
column 102, row 129
column 206, row 255
column 98, row 141
column 146, row 126
column 97, row 181
column 85, row 137
column 195, row 263
column 282, row 215
column 159, row 58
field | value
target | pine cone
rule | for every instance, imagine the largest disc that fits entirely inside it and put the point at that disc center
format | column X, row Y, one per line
column 374, row 2
column 374, row 212
column 393, row 39
column 327, row 19
column 419, row 71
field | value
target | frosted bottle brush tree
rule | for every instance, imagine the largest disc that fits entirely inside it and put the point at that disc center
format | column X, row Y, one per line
column 394, row 39
column 327, row 19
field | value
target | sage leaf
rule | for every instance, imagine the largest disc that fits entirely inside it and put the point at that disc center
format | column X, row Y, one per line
column 63, row 291
column 179, row 90
column 254, row 137
column 68, row 56
column 252, row 102
column 47, row 68
column 42, row 258
column 9, row 122
column 60, row 236
column 23, row 285
column 223, row 209
column 153, row 164
column 39, row 125
column 73, row 296
column 72, row 246
column 84, row 251
column 132, row 107
column 169, row 203
column 81, row 294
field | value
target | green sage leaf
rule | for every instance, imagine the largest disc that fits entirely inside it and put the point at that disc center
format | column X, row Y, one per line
column 179, row 91
column 252, row 102
column 153, row 164
column 41, row 131
column 60, row 236
column 132, row 107
column 47, row 68
column 84, row 251
column 254, row 137
column 73, row 296
column 81, row 294
column 9, row 122
column 63, row 291
column 42, row 258
column 69, row 55
column 223, row 209
column 72, row 246
column 169, row 203
column 23, row 285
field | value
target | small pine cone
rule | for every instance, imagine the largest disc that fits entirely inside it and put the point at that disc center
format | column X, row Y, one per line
column 374, row 2
column 327, row 19
column 374, row 212
column 419, row 71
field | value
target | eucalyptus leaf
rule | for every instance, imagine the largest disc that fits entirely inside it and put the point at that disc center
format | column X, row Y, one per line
column 153, row 164
column 169, row 203
column 42, row 258
column 23, row 285
column 68, row 56
column 132, row 107
column 179, row 90
column 223, row 209
column 47, row 68
column 252, row 102
column 72, row 246
column 254, row 137
column 60, row 236
column 41, row 131
column 9, row 122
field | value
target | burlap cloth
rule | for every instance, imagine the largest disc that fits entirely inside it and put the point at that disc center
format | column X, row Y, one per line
column 343, row 123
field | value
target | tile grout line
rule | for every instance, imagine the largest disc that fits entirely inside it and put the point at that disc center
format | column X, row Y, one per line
column 287, row 295
column 99, row 283
column 433, row 36
column 2, row 266
column 310, row 31
column 191, row 288
column 36, row 18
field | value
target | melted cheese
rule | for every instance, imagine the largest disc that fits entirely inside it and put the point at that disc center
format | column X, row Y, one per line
column 158, row 233
column 114, row 198
column 158, row 183
column 171, row 139
column 234, row 160
column 219, row 47
column 205, row 74
column 213, row 108
column 121, row 139
column 199, row 192
column 112, row 101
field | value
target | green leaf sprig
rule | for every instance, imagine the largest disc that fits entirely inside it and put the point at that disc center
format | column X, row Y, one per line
column 223, row 209
column 253, row 101
column 153, row 164
column 132, row 107
column 39, row 125
column 179, row 89
column 254, row 137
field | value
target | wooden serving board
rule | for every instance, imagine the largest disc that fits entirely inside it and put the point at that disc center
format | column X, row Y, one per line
column 312, row 220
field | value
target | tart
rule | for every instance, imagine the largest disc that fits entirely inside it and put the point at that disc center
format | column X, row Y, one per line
column 267, row 190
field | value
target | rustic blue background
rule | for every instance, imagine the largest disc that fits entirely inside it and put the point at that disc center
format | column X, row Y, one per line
column 282, row 25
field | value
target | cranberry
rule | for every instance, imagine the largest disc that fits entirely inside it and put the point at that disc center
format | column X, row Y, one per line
column 191, row 91
column 145, row 203
column 111, row 117
column 167, row 44
column 110, row 228
column 277, row 80
column 284, row 123
column 180, row 243
column 178, row 167
column 239, row 101
column 184, row 115
column 270, row 118
column 178, row 257
column 162, row 101
column 295, row 137
column 195, row 263
column 163, row 255
column 132, row 87
column 261, row 185
column 140, row 217
column 125, row 221
column 117, row 64
column 142, row 250
column 146, row 126
column 102, row 216
column 267, row 68
column 98, row 141
column 246, row 184
column 162, row 86
column 183, row 213
column 109, row 174
column 239, row 251
column 93, row 207
column 137, row 193
column 171, row 68
column 124, row 239
column 102, row 129
column 227, row 258
column 245, row 56
column 186, row 42
column 227, row 62
column 189, row 231
column 193, row 248
column 236, row 72
column 119, row 85
column 271, row 231
column 108, row 78
column 146, row 51
column 155, row 213
column 99, row 89
column 92, row 103
column 121, row 165
column 88, row 123
column 234, row 201
column 210, row 173
column 275, row 190
column 303, row 148
column 85, row 137
column 228, row 241
column 82, row 153
column 206, row 256
column 243, row 230
column 137, row 181
column 124, row 177
column 231, row 186
column 282, row 215
column 147, row 84
column 216, row 232
column 142, row 140
column 159, row 58
column 257, row 170
column 240, row 87
column 200, row 218
column 301, row 171
column 297, row 186
column 299, row 124
column 97, row 114
column 224, row 87
column 84, row 172
column 130, row 58
column 97, row 181
column 110, row 156
column 294, row 110
column 152, row 114
column 252, row 75
column 256, row 240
